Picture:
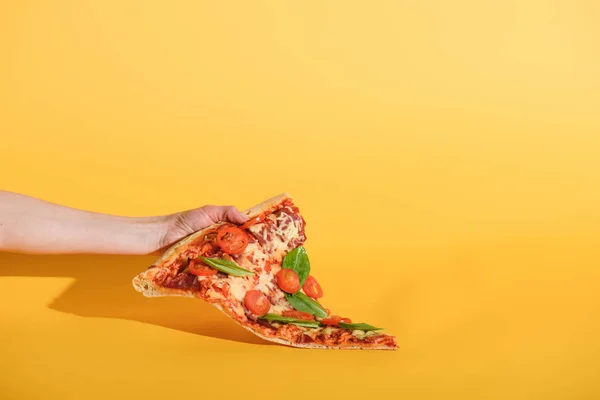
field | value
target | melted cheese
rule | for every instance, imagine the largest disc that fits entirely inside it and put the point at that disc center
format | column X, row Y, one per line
column 239, row 310
column 268, row 287
column 265, row 283
column 214, row 294
column 362, row 334
column 238, row 286
column 279, row 308
column 328, row 330
column 257, row 257
column 312, row 331
column 358, row 333
column 276, row 247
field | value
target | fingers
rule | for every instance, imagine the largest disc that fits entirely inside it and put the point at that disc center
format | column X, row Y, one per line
column 232, row 214
column 225, row 213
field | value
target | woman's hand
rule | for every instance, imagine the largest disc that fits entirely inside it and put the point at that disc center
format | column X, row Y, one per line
column 29, row 225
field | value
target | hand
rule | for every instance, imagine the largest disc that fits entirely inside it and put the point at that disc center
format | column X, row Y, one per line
column 185, row 223
column 30, row 225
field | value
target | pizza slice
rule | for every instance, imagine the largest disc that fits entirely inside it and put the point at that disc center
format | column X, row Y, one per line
column 259, row 275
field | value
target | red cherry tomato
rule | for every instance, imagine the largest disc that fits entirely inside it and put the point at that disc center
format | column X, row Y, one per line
column 197, row 267
column 253, row 221
column 298, row 315
column 232, row 240
column 312, row 288
column 333, row 320
column 288, row 280
column 257, row 303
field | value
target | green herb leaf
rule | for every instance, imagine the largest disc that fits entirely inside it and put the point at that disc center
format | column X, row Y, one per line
column 297, row 260
column 302, row 302
column 229, row 267
column 288, row 320
column 360, row 326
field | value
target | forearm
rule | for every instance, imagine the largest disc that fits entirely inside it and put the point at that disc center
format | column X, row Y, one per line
column 29, row 225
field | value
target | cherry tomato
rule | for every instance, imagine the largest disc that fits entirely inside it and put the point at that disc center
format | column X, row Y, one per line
column 197, row 267
column 288, row 280
column 257, row 303
column 298, row 315
column 253, row 221
column 232, row 240
column 332, row 320
column 312, row 288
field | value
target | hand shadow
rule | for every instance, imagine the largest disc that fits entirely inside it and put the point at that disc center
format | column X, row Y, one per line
column 103, row 289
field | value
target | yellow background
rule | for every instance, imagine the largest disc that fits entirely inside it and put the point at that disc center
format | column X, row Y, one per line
column 445, row 154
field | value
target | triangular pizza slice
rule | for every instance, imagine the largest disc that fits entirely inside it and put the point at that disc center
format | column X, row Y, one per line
column 259, row 275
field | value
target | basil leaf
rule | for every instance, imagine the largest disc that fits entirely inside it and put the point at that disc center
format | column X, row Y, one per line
column 229, row 267
column 302, row 302
column 360, row 326
column 297, row 260
column 288, row 320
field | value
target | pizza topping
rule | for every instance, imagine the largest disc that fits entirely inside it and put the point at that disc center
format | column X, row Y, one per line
column 332, row 320
column 239, row 285
column 266, row 283
column 312, row 288
column 227, row 266
column 253, row 221
column 297, row 260
column 255, row 255
column 302, row 302
column 232, row 240
column 288, row 280
column 183, row 281
column 279, row 307
column 257, row 302
column 360, row 334
column 290, row 320
column 359, row 326
column 197, row 267
column 298, row 315
column 280, row 232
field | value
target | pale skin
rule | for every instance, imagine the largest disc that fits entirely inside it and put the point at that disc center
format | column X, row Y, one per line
column 30, row 225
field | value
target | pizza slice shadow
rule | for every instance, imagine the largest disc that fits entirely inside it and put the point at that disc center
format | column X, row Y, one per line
column 103, row 289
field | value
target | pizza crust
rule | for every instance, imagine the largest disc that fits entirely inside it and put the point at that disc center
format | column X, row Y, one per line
column 144, row 281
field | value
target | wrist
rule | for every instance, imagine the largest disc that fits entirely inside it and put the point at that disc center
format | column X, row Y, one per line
column 148, row 234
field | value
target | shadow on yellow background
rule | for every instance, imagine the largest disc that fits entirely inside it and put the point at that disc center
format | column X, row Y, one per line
column 103, row 289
